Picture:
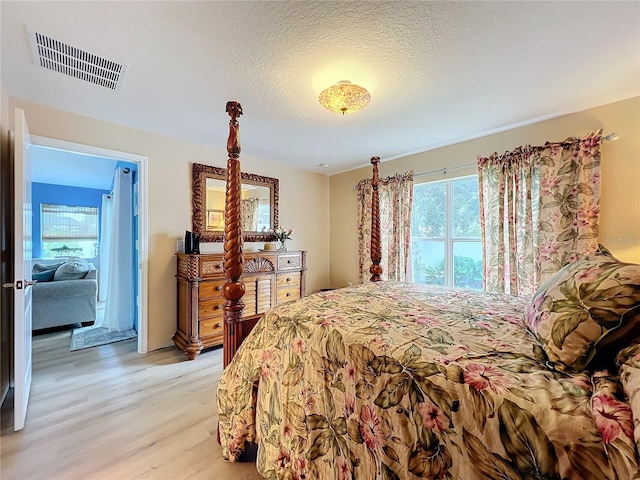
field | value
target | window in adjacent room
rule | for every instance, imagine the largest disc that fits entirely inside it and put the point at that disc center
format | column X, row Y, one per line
column 446, row 247
column 69, row 230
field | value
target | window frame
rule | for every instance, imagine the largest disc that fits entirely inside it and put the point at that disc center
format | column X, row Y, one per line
column 449, row 240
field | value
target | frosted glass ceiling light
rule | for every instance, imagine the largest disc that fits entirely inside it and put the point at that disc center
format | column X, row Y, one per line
column 344, row 97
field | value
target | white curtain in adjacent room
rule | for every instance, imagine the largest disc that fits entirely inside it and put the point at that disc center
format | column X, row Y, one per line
column 105, row 246
column 119, row 306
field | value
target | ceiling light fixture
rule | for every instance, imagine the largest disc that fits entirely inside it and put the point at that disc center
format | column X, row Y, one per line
column 344, row 97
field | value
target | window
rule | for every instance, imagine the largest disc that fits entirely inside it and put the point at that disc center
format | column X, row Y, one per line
column 445, row 233
column 69, row 231
column 264, row 217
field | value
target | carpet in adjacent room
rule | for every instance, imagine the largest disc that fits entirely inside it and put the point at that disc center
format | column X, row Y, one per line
column 87, row 337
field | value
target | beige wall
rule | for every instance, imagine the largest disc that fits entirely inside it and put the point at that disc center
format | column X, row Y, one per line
column 304, row 195
column 620, row 202
column 303, row 199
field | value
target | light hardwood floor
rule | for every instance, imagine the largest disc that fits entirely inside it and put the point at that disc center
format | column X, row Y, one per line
column 109, row 413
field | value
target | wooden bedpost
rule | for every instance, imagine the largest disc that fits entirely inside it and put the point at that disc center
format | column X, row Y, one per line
column 234, row 288
column 375, row 269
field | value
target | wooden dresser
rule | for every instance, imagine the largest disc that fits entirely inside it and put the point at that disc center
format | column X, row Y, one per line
column 269, row 277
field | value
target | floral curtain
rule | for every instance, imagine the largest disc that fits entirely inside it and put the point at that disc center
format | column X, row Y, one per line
column 249, row 211
column 539, row 210
column 396, row 196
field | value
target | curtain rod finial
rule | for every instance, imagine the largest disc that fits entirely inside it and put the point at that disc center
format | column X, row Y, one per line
column 612, row 137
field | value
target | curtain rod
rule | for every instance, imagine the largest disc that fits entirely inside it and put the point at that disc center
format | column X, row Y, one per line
column 445, row 170
column 612, row 137
column 126, row 170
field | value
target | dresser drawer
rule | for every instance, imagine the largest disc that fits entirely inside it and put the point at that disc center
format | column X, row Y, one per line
column 291, row 261
column 211, row 289
column 210, row 308
column 287, row 294
column 285, row 280
column 210, row 327
column 211, row 267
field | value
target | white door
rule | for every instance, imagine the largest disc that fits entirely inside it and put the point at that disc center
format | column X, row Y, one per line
column 22, row 269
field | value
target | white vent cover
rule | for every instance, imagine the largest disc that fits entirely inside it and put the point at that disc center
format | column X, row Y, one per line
column 64, row 58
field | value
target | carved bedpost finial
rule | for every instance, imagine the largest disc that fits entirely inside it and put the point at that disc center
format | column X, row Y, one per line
column 234, row 289
column 234, row 109
column 376, row 256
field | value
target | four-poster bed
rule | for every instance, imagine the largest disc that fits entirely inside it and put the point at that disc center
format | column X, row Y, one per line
column 233, row 289
column 397, row 381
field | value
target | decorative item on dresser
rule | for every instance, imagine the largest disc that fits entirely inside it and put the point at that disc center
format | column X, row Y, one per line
column 270, row 278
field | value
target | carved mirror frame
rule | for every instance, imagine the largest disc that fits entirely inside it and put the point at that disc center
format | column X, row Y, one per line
column 200, row 173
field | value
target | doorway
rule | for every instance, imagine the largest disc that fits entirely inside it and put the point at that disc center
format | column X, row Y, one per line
column 94, row 155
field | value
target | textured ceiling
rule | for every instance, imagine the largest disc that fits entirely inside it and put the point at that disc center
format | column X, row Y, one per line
column 438, row 72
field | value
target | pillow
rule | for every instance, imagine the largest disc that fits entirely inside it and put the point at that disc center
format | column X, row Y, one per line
column 45, row 276
column 587, row 304
column 39, row 267
column 73, row 269
column 628, row 361
column 605, row 251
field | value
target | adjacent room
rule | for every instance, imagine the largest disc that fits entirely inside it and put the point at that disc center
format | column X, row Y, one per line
column 83, row 218
column 318, row 240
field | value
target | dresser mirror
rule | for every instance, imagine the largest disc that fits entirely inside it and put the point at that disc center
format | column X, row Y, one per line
column 259, row 204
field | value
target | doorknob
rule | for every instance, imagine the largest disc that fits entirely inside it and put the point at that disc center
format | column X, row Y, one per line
column 18, row 284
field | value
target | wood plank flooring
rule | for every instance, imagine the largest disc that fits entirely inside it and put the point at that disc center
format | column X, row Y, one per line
column 109, row 413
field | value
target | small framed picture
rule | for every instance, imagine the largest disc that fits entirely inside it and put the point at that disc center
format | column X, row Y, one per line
column 215, row 219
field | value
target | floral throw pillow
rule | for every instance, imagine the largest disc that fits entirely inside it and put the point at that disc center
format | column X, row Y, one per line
column 628, row 361
column 591, row 302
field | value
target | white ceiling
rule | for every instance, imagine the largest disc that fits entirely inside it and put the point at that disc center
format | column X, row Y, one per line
column 438, row 72
column 61, row 167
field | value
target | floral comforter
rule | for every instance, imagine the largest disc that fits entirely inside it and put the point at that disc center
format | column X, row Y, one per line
column 399, row 381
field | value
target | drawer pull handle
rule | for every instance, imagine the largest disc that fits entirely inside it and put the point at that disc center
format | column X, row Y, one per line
column 217, row 325
column 288, row 294
column 219, row 287
column 288, row 279
column 219, row 306
column 288, row 261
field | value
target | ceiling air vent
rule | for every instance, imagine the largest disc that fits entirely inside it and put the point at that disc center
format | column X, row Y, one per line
column 64, row 58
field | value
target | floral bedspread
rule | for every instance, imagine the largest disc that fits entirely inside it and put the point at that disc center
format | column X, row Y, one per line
column 403, row 381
